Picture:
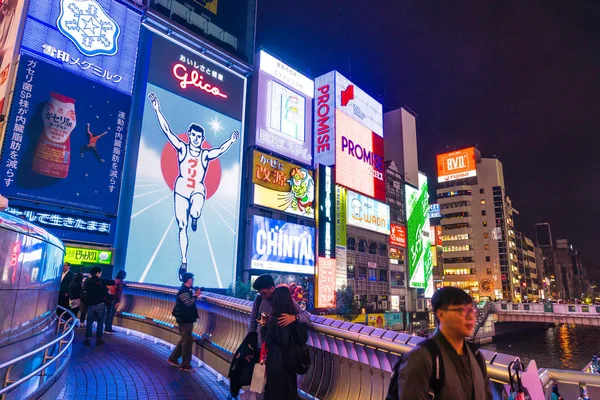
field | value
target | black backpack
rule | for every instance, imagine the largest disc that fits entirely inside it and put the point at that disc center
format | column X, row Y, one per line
column 296, row 358
column 436, row 382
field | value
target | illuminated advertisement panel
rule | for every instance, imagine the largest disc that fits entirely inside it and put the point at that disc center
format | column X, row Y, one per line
column 366, row 213
column 326, row 282
column 187, row 183
column 398, row 235
column 95, row 39
column 455, row 165
column 81, row 256
column 11, row 11
column 359, row 161
column 283, row 186
column 282, row 246
column 326, row 216
column 438, row 235
column 65, row 139
column 284, row 110
column 419, row 253
column 434, row 211
column 333, row 92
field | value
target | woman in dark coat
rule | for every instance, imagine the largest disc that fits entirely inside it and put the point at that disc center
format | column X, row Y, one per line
column 75, row 289
column 281, row 384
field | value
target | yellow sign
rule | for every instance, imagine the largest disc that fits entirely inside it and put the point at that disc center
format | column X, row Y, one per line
column 283, row 186
column 80, row 256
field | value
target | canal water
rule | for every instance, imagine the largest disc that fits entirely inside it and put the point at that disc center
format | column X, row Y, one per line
column 563, row 347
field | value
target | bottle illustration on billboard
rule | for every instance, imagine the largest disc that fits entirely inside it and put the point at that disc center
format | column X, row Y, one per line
column 52, row 155
column 287, row 112
column 91, row 146
column 189, row 190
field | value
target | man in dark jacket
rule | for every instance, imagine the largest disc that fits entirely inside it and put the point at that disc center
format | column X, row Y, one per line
column 465, row 374
column 186, row 314
column 95, row 296
column 65, row 281
column 115, row 293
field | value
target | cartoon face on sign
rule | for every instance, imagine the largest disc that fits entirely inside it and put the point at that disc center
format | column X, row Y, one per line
column 302, row 191
column 356, row 208
column 89, row 27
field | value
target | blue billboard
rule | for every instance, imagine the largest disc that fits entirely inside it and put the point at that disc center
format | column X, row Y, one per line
column 188, row 176
column 96, row 39
column 282, row 246
column 65, row 139
column 72, row 227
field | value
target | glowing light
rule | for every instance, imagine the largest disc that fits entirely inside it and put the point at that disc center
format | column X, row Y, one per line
column 215, row 125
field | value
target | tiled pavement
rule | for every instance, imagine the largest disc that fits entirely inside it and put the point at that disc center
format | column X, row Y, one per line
column 128, row 367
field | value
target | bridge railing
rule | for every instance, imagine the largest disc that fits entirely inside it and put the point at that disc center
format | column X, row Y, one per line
column 563, row 309
column 350, row 361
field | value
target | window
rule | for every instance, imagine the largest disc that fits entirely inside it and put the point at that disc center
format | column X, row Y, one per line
column 454, row 193
column 482, row 202
column 449, row 238
column 483, row 212
column 450, row 249
column 486, row 235
column 372, row 274
column 481, row 191
column 463, row 225
column 459, row 271
column 362, row 245
column 373, row 248
column 383, row 250
column 397, row 279
column 362, row 273
column 484, row 224
column 351, row 243
column 489, row 271
column 383, row 275
column 487, row 259
column 486, row 247
column 458, row 260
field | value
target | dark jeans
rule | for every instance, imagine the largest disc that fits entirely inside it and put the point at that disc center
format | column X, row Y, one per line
column 93, row 149
column 184, row 346
column 95, row 313
column 110, row 315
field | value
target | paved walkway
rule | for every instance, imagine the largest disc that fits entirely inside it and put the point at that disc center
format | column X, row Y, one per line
column 128, row 367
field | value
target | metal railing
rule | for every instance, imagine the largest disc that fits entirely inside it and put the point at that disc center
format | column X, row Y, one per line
column 350, row 361
column 53, row 352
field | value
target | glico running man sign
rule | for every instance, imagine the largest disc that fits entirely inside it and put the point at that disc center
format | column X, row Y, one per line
column 187, row 185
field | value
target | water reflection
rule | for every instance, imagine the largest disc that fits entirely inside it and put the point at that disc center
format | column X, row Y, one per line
column 563, row 347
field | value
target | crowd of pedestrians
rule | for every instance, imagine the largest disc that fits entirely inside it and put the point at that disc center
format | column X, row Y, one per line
column 92, row 300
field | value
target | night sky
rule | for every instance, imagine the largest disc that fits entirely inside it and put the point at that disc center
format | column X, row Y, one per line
column 519, row 79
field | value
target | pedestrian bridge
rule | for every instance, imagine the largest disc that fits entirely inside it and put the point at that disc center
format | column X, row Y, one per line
column 350, row 361
column 579, row 314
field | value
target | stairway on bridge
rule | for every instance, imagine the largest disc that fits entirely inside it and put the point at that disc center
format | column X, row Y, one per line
column 128, row 367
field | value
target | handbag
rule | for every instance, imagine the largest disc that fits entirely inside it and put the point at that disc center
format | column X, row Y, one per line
column 259, row 374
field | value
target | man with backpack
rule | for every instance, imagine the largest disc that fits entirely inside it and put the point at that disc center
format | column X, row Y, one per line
column 185, row 314
column 446, row 366
column 95, row 296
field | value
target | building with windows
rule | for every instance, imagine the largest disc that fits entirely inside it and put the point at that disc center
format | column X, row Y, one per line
column 527, row 277
column 479, row 250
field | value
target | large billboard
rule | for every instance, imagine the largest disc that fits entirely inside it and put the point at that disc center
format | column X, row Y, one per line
column 420, row 267
column 455, row 165
column 188, row 178
column 398, row 235
column 11, row 12
column 359, row 161
column 283, row 186
column 326, row 283
column 282, row 246
column 284, row 110
column 65, row 140
column 333, row 92
column 95, row 39
column 366, row 213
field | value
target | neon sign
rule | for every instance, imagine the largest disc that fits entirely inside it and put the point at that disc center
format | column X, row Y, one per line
column 195, row 79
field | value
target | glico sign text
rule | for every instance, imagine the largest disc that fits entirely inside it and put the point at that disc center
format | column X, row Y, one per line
column 196, row 79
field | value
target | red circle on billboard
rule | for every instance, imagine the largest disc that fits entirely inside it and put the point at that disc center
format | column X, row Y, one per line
column 169, row 165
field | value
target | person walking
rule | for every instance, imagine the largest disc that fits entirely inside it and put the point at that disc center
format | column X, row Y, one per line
column 185, row 314
column 95, row 296
column 461, row 365
column 65, row 281
column 281, row 382
column 75, row 289
column 115, row 293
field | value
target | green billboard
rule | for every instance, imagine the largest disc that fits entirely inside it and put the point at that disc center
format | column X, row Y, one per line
column 420, row 263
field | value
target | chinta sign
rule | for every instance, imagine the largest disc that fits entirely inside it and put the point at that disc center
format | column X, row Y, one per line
column 282, row 246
